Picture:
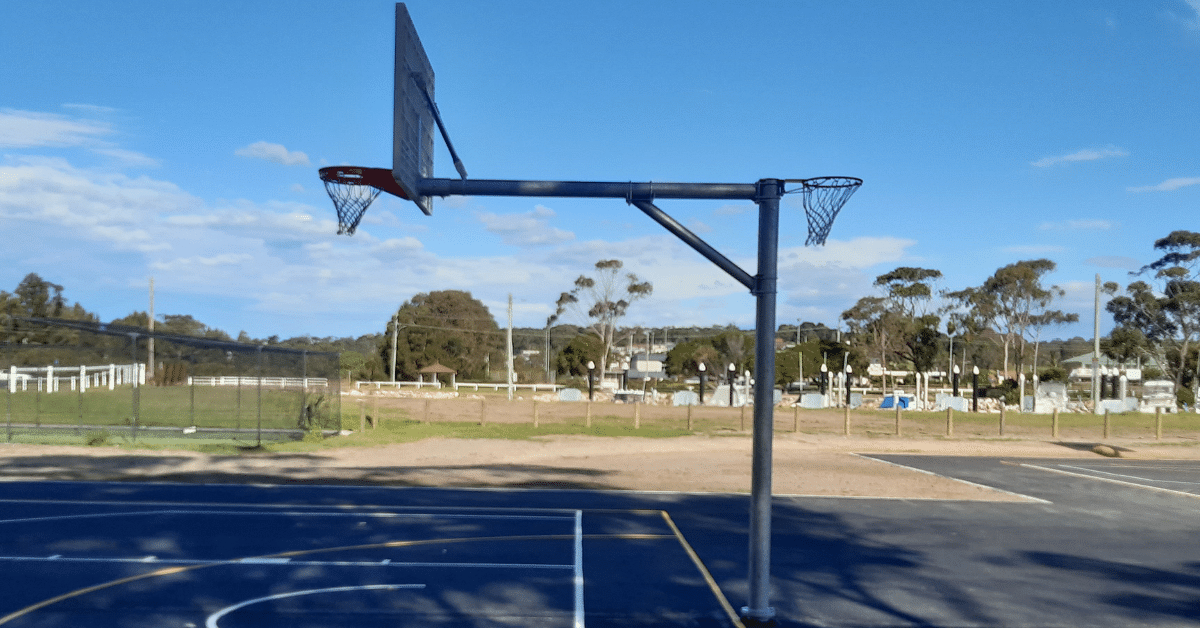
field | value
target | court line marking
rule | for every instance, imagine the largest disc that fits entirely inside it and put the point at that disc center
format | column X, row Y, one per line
column 1110, row 480
column 212, row 620
column 389, row 544
column 286, row 513
column 712, row 583
column 578, row 569
column 967, row 482
column 565, row 512
column 1122, row 475
column 279, row 562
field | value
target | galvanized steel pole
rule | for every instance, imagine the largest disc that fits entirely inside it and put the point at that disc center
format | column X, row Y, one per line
column 769, row 191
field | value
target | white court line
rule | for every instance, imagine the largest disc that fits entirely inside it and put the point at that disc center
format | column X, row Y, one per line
column 279, row 562
column 212, row 620
column 296, row 513
column 564, row 512
column 1132, row 477
column 969, row 483
column 578, row 569
column 1111, row 480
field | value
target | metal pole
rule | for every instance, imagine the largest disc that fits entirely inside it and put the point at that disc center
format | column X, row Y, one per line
column 12, row 378
column 703, row 381
column 732, row 370
column 258, row 429
column 136, row 401
column 975, row 389
column 1096, row 351
column 769, row 191
column 591, row 380
column 395, row 330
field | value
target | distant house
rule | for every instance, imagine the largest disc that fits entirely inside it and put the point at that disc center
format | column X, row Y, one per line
column 647, row 366
column 1080, row 367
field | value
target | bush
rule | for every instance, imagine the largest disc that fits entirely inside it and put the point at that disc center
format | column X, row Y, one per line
column 1053, row 374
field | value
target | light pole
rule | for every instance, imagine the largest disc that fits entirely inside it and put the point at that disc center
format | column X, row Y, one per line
column 591, row 379
column 824, row 383
column 955, row 379
column 732, row 371
column 974, row 389
column 703, row 381
column 848, row 372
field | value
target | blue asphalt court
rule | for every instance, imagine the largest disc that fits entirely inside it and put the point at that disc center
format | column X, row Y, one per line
column 1093, row 542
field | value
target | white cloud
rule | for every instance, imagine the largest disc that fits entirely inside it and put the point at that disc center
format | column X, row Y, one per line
column 1087, row 154
column 531, row 228
column 1189, row 19
column 273, row 152
column 201, row 262
column 1170, row 185
column 25, row 129
column 128, row 157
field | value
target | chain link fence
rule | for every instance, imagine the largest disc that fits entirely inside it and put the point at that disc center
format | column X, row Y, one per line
column 97, row 383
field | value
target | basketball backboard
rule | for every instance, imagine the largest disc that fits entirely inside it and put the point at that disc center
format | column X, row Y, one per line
column 412, row 131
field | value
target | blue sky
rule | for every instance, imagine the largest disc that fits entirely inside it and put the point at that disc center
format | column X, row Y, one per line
column 181, row 140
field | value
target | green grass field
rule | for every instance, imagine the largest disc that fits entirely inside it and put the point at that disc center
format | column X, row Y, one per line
column 229, row 421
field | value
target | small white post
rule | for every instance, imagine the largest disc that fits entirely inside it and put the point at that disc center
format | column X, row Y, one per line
column 112, row 376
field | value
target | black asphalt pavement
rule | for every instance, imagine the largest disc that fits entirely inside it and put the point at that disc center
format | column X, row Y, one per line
column 1100, row 543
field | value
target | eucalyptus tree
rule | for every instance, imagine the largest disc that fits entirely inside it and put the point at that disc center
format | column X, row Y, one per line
column 899, row 323
column 602, row 301
column 1014, row 304
column 1160, row 318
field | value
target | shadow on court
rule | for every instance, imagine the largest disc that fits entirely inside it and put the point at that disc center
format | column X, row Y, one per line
column 1096, row 553
column 249, row 468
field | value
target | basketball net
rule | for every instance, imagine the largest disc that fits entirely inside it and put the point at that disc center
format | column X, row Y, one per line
column 823, row 199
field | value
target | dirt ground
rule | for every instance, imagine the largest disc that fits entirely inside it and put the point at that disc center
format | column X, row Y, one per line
column 804, row 464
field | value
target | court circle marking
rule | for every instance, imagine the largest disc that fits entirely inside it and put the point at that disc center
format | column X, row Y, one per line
column 212, row 620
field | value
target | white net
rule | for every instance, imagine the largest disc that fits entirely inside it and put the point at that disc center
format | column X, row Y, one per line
column 351, row 199
column 823, row 199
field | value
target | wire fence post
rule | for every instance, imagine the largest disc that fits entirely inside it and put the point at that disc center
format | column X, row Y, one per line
column 133, row 381
column 258, row 428
column 79, row 392
column 12, row 380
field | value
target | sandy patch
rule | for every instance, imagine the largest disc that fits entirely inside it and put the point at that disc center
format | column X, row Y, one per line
column 803, row 464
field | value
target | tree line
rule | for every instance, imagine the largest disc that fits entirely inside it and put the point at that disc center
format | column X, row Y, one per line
column 910, row 324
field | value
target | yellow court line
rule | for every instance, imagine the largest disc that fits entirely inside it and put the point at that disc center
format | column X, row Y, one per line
column 712, row 583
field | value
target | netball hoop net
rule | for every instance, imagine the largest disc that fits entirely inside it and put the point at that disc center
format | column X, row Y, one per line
column 353, row 189
column 823, row 199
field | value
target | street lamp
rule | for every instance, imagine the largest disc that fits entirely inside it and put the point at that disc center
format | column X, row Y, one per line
column 732, row 372
column 975, row 389
column 955, row 380
column 591, row 379
column 703, row 381
column 824, row 379
column 848, row 372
